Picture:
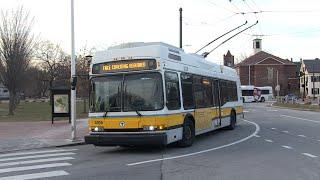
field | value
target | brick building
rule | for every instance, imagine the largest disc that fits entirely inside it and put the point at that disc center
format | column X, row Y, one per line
column 264, row 69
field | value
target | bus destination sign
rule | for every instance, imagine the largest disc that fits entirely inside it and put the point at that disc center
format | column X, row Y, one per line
column 124, row 66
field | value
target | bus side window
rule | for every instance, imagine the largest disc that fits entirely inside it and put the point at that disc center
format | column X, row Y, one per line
column 187, row 91
column 172, row 90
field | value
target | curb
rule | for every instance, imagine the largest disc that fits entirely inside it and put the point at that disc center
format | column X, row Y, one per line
column 299, row 109
column 43, row 147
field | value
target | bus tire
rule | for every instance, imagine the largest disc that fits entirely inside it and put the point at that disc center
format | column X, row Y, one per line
column 233, row 121
column 188, row 134
column 262, row 99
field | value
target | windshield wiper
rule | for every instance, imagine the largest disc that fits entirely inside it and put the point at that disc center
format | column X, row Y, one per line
column 139, row 114
column 105, row 113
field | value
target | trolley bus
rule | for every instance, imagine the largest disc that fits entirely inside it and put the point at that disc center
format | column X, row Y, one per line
column 156, row 94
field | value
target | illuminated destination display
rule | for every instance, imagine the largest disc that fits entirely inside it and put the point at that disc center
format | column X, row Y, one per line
column 123, row 66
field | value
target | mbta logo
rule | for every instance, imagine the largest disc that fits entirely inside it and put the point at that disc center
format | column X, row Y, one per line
column 122, row 124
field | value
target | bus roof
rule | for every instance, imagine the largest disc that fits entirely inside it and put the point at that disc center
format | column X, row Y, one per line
column 175, row 57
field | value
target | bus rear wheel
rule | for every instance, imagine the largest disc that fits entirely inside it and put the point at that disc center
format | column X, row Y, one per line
column 233, row 121
column 188, row 134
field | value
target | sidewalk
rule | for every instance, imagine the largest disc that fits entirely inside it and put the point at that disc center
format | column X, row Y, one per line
column 29, row 135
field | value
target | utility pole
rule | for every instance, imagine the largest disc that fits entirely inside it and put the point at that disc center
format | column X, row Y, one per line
column 278, row 87
column 249, row 75
column 73, row 73
column 313, row 83
column 180, row 27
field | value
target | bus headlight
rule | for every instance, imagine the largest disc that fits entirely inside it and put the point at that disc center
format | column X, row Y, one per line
column 153, row 128
column 98, row 129
column 149, row 128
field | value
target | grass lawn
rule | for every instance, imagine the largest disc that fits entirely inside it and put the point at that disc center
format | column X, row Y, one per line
column 299, row 106
column 34, row 111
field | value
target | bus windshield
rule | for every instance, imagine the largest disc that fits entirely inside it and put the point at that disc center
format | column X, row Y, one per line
column 127, row 92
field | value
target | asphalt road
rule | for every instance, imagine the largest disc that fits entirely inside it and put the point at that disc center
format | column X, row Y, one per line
column 272, row 144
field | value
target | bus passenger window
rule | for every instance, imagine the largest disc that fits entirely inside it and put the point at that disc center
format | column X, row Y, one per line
column 172, row 91
column 187, row 91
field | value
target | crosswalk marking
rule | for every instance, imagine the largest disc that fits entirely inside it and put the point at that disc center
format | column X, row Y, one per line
column 37, row 156
column 36, row 175
column 41, row 166
column 35, row 164
column 35, row 161
column 36, row 152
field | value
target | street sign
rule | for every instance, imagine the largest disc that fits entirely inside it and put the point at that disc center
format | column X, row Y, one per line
column 277, row 88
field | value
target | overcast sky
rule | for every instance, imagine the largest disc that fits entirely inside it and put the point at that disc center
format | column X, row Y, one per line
column 290, row 28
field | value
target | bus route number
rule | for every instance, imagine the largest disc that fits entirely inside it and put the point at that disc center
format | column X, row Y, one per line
column 98, row 122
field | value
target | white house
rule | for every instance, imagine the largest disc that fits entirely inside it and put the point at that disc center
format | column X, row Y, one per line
column 310, row 78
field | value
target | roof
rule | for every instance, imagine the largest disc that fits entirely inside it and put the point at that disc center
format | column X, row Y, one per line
column 312, row 65
column 260, row 56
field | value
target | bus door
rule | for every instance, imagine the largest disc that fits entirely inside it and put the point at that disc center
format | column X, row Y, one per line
column 217, row 102
column 203, row 109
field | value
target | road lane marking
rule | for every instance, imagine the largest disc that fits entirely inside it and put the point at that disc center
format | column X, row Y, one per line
column 319, row 140
column 257, row 136
column 268, row 140
column 301, row 135
column 273, row 128
column 310, row 155
column 285, row 131
column 36, row 152
column 272, row 110
column 203, row 151
column 246, row 111
column 36, row 175
column 35, row 161
column 287, row 147
column 37, row 156
column 25, row 168
column 303, row 119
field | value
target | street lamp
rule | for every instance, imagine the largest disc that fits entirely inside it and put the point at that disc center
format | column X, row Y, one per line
column 73, row 76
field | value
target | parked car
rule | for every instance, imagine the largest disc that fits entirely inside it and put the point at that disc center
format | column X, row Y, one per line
column 290, row 98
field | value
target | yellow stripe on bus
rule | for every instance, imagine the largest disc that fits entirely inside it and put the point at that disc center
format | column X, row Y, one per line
column 203, row 119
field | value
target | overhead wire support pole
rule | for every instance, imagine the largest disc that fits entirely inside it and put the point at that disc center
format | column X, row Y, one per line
column 73, row 73
column 222, row 36
column 207, row 53
column 180, row 27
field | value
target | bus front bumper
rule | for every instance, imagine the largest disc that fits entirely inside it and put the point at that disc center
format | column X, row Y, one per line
column 126, row 138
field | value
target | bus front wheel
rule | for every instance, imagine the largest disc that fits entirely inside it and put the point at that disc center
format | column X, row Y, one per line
column 188, row 134
column 262, row 99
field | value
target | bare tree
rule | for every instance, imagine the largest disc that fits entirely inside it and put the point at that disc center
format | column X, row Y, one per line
column 16, row 50
column 51, row 56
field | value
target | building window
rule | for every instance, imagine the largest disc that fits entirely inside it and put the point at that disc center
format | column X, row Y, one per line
column 257, row 45
column 270, row 74
column 315, row 78
column 315, row 90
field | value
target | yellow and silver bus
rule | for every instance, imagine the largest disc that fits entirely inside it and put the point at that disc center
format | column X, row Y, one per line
column 156, row 94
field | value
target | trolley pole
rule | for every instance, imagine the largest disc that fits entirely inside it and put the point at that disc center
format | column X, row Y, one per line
column 73, row 73
column 180, row 27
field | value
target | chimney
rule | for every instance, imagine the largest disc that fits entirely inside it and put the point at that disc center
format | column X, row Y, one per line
column 257, row 46
column 291, row 59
